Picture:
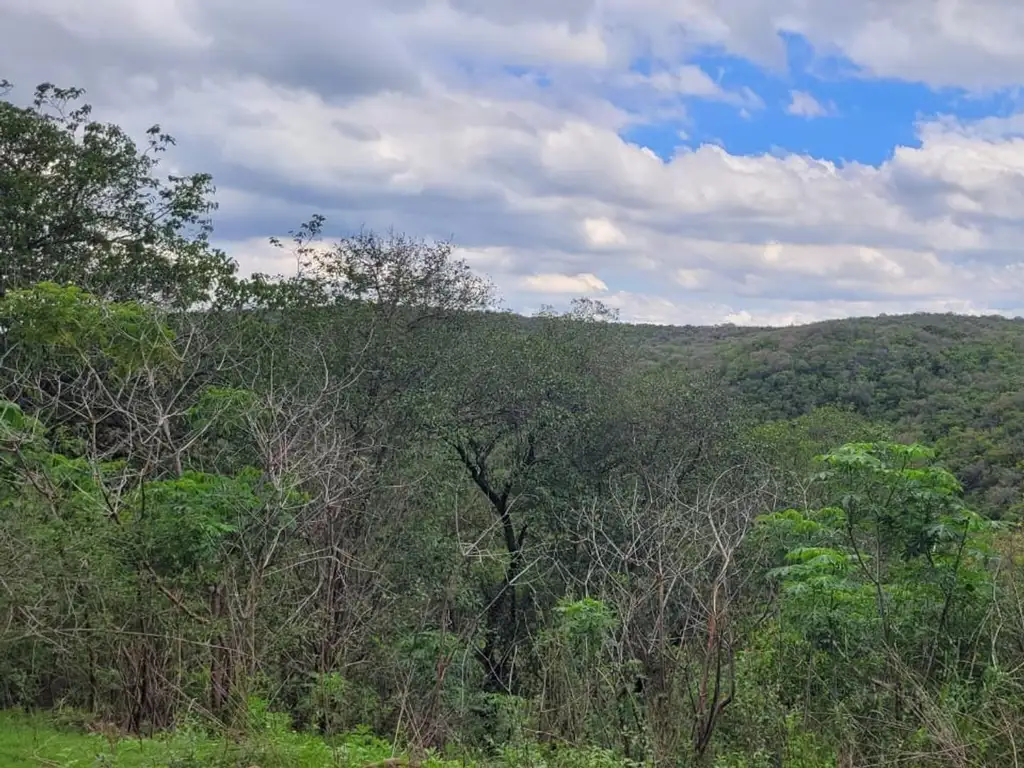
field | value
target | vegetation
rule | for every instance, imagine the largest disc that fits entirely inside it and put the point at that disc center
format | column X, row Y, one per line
column 953, row 382
column 359, row 515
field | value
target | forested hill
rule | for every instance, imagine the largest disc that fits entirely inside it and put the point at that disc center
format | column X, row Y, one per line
column 951, row 380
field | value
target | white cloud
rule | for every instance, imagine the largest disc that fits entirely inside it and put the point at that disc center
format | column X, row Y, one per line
column 510, row 38
column 256, row 254
column 602, row 232
column 803, row 104
column 939, row 42
column 163, row 22
column 570, row 284
column 412, row 113
column 694, row 279
column 689, row 80
column 507, row 177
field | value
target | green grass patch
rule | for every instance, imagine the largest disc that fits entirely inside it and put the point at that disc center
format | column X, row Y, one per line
column 41, row 740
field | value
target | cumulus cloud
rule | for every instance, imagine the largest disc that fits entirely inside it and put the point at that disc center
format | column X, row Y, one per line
column 506, row 125
column 601, row 231
column 939, row 42
column 582, row 284
column 256, row 254
column 803, row 104
column 689, row 80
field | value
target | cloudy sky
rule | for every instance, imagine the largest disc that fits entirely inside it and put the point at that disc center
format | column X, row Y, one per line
column 687, row 161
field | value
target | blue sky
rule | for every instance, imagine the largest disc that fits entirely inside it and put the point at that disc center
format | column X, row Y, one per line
column 869, row 118
column 685, row 161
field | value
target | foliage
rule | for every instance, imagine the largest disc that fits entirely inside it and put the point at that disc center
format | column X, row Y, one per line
column 67, row 325
column 82, row 204
column 884, row 589
column 947, row 380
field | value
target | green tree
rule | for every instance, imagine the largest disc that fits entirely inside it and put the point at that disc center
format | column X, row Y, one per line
column 884, row 591
column 515, row 405
column 81, row 203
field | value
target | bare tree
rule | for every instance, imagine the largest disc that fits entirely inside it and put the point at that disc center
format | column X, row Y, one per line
column 668, row 563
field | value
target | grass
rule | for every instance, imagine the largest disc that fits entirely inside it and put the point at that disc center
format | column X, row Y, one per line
column 40, row 740
column 37, row 741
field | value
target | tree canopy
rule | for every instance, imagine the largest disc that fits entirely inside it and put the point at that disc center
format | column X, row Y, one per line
column 82, row 203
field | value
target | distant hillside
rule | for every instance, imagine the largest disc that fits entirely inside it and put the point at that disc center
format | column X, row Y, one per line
column 950, row 380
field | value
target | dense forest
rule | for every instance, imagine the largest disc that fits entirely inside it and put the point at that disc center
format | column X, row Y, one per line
column 953, row 382
column 361, row 511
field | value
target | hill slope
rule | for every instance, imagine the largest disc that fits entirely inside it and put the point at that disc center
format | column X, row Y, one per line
column 954, row 381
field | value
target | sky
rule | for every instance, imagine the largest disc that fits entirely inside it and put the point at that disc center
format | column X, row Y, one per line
column 762, row 162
